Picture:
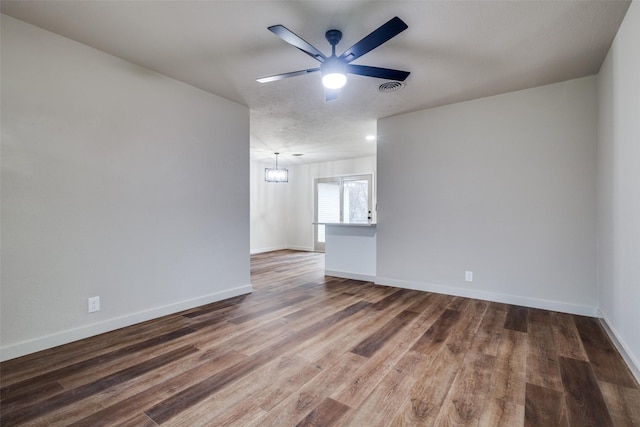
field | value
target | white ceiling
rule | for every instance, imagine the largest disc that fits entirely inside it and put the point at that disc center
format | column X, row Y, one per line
column 455, row 50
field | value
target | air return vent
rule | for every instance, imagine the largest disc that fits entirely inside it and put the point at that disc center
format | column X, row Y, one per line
column 390, row 86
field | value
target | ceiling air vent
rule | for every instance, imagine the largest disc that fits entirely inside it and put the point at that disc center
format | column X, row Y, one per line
column 390, row 86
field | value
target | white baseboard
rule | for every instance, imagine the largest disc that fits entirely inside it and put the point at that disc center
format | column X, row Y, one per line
column 563, row 307
column 269, row 249
column 301, row 248
column 623, row 349
column 281, row 248
column 347, row 275
column 64, row 337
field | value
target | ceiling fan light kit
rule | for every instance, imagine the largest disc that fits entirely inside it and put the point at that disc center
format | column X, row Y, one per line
column 334, row 75
column 334, row 68
column 334, row 80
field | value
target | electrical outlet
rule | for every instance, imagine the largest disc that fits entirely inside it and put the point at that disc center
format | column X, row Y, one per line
column 94, row 304
column 468, row 276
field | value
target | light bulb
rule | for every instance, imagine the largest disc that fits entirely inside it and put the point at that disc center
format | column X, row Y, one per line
column 334, row 80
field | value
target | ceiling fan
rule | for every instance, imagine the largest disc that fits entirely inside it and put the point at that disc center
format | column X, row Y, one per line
column 334, row 68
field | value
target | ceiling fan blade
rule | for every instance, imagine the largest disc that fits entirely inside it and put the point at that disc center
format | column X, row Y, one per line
column 387, row 31
column 331, row 94
column 287, row 75
column 293, row 39
column 381, row 73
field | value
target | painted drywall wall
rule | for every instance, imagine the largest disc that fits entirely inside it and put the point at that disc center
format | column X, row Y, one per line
column 619, row 187
column 116, row 182
column 501, row 186
column 300, row 218
column 269, row 211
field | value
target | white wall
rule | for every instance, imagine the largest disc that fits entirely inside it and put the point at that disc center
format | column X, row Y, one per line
column 619, row 187
column 503, row 186
column 116, row 182
column 269, row 211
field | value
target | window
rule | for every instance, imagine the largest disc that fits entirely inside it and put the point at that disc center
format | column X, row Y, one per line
column 344, row 199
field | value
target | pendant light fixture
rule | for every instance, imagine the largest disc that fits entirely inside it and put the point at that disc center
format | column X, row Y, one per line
column 275, row 174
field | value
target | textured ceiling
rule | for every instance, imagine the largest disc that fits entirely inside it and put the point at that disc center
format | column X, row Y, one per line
column 455, row 50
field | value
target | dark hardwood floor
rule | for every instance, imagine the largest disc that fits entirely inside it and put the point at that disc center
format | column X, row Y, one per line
column 304, row 349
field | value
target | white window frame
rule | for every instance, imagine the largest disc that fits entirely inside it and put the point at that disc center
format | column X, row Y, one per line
column 319, row 246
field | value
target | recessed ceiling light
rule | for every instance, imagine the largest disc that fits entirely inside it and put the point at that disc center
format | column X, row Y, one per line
column 370, row 137
column 297, row 154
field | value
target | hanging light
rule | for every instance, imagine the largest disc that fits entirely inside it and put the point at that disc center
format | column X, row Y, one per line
column 275, row 174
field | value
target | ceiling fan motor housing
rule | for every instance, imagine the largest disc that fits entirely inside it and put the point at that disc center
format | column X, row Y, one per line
column 333, row 64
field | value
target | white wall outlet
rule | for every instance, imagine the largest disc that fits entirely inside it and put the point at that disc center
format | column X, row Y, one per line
column 468, row 276
column 94, row 304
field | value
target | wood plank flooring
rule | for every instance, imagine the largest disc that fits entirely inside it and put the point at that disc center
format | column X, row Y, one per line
column 309, row 350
